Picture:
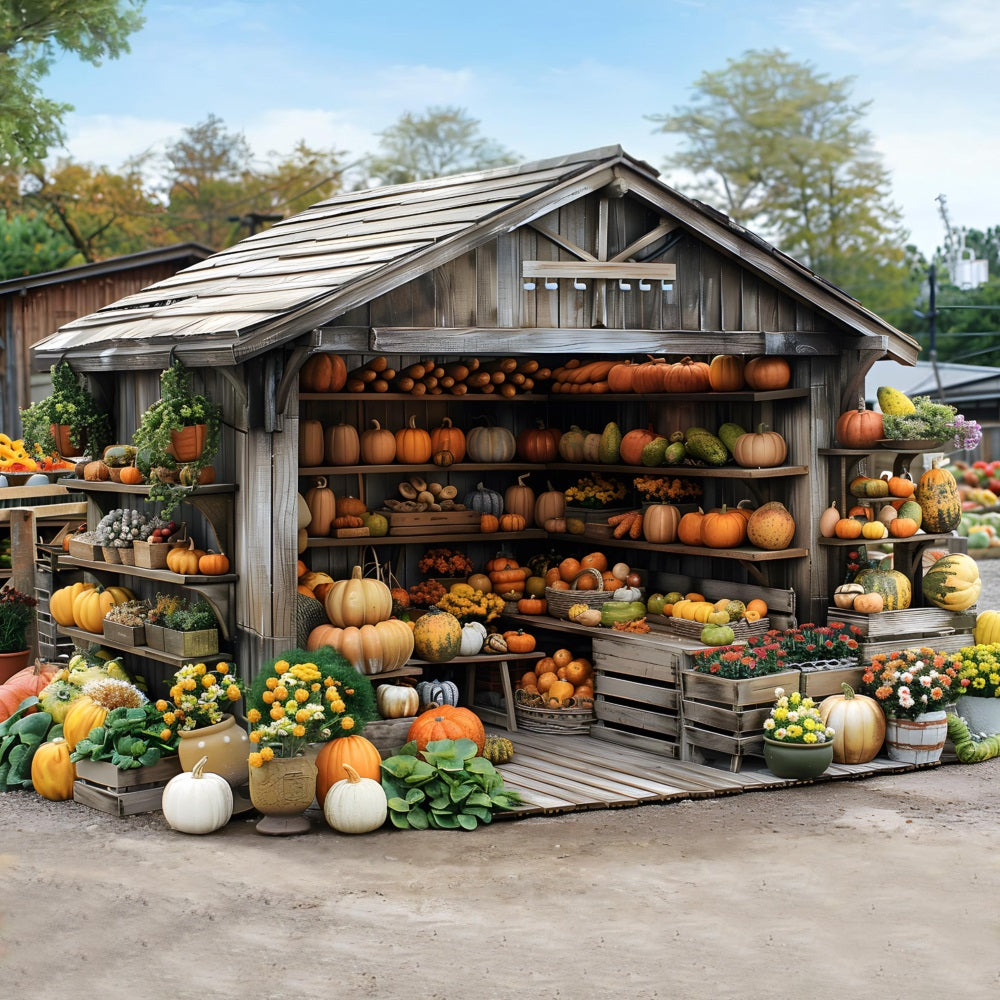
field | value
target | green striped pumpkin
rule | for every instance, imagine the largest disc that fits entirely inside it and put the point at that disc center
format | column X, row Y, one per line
column 912, row 510
column 895, row 587
column 437, row 636
column 953, row 582
column 937, row 494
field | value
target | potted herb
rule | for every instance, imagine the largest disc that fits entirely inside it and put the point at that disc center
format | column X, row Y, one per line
column 125, row 624
column 17, row 611
column 191, row 630
column 70, row 420
column 154, row 616
column 177, row 438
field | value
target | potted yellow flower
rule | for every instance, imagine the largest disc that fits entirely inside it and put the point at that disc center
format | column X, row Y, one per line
column 797, row 743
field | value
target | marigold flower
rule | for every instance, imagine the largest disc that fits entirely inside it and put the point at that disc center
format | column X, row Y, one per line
column 165, row 734
column 253, row 715
column 267, row 753
column 161, row 705
column 277, row 712
column 208, row 681
column 267, row 697
column 347, row 722
column 301, row 695
column 281, row 693
column 169, row 718
column 233, row 692
column 281, row 667
column 299, row 731
column 222, row 668
column 256, row 759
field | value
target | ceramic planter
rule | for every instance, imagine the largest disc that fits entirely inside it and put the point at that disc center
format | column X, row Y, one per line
column 981, row 714
column 62, row 434
column 282, row 789
column 11, row 663
column 797, row 760
column 187, row 445
column 226, row 745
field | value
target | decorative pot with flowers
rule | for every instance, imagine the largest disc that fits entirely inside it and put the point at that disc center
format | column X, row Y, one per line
column 299, row 699
column 70, row 420
column 933, row 422
column 160, row 439
column 914, row 687
column 979, row 677
column 17, row 612
column 797, row 743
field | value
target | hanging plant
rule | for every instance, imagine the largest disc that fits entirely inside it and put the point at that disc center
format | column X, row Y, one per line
column 70, row 404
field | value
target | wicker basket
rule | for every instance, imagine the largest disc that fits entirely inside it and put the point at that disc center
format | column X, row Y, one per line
column 560, row 601
column 112, row 554
column 532, row 717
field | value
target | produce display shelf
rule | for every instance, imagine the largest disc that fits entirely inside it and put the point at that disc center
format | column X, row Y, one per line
column 397, row 468
column 747, row 396
column 477, row 536
column 742, row 554
column 691, row 471
column 107, row 486
column 79, row 635
column 408, row 397
column 162, row 575
column 871, row 452
column 888, row 540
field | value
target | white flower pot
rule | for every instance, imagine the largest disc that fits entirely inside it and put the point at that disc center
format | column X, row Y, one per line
column 982, row 715
column 916, row 741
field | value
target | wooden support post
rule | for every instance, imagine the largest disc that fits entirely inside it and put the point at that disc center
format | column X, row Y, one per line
column 22, row 555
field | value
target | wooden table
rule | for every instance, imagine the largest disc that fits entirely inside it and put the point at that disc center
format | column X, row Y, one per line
column 501, row 660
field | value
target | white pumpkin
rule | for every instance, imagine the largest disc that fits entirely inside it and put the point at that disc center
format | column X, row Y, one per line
column 627, row 594
column 397, row 701
column 473, row 637
column 197, row 801
column 355, row 804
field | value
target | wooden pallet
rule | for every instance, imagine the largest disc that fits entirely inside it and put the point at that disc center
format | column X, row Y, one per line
column 102, row 786
column 940, row 643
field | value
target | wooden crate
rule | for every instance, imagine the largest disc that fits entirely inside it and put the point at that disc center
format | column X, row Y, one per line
column 751, row 692
column 940, row 643
column 102, row 786
column 820, row 683
column 897, row 625
column 444, row 522
column 637, row 699
column 388, row 735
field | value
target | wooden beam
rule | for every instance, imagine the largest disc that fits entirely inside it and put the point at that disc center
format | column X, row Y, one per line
column 492, row 341
column 560, row 241
column 597, row 269
column 665, row 228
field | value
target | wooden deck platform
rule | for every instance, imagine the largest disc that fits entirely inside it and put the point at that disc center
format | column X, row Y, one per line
column 557, row 774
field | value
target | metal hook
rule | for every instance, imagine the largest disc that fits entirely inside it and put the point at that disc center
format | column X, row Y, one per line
column 579, row 284
column 551, row 285
column 529, row 286
column 644, row 286
column 624, row 285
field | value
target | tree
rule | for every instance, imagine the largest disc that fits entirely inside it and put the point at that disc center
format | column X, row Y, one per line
column 32, row 34
column 29, row 246
column 445, row 140
column 783, row 151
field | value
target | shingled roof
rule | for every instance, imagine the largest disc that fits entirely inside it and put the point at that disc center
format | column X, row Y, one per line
column 307, row 270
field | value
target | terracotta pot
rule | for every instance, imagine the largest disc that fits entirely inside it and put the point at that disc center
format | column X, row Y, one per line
column 225, row 744
column 61, row 433
column 11, row 663
column 186, row 445
column 282, row 789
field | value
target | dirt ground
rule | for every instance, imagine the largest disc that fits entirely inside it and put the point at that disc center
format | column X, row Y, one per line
column 883, row 887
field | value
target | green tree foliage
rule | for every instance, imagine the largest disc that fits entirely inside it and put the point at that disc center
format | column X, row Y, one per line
column 29, row 246
column 444, row 140
column 783, row 151
column 968, row 322
column 33, row 33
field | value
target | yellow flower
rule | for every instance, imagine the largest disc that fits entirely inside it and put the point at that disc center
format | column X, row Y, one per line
column 233, row 692
column 208, row 681
column 301, row 695
column 175, row 692
column 161, row 706
column 302, row 715
column 200, row 668
column 281, row 693
column 165, row 734
column 267, row 753
column 328, row 681
column 256, row 759
column 281, row 667
column 222, row 668
column 338, row 706
column 277, row 712
column 255, row 737
column 190, row 684
column 271, row 683
column 267, row 697
column 313, row 687
column 253, row 715
column 347, row 722
column 169, row 718
column 299, row 731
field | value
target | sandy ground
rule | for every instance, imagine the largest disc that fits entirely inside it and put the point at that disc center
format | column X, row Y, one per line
column 886, row 887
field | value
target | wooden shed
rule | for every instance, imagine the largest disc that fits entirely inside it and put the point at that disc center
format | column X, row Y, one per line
column 33, row 306
column 583, row 256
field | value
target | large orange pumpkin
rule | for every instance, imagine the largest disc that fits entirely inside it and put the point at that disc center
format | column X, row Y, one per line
column 687, row 375
column 859, row 428
column 24, row 684
column 413, row 444
column 446, row 722
column 323, row 373
column 633, row 443
column 725, row 373
column 360, row 753
column 767, row 373
column 370, row 649
column 447, row 437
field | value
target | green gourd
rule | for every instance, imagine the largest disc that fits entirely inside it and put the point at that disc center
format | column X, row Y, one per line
column 968, row 750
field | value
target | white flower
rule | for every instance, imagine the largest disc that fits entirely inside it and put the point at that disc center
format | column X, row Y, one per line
column 926, row 681
column 829, row 733
column 793, row 716
column 778, row 692
column 769, row 723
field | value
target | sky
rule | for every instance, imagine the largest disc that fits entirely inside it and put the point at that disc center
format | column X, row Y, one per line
column 545, row 78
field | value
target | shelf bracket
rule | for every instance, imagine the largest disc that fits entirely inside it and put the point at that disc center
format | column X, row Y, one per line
column 755, row 571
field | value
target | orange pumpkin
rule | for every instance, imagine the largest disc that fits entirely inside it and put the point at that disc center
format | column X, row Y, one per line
column 213, row 564
column 725, row 373
column 322, row 505
column 341, row 445
column 489, row 523
column 687, row 375
column 859, row 428
column 377, row 445
column 25, row 683
column 357, row 751
column 847, row 527
column 689, row 528
column 185, row 559
column 569, row 569
column 447, row 437
column 519, row 641
column 757, row 606
column 620, row 377
column 633, row 443
column 538, row 443
column 594, row 560
column 532, row 606
column 323, row 372
column 660, row 523
column 767, row 373
column 446, row 722
column 723, row 529
column 413, row 444
column 512, row 522
column 131, row 476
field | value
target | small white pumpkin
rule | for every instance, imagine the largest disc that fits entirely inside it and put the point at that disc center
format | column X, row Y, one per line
column 627, row 594
column 397, row 701
column 844, row 595
column 355, row 804
column 473, row 637
column 197, row 801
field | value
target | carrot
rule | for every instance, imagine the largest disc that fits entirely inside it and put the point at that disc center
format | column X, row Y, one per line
column 618, row 518
column 635, row 531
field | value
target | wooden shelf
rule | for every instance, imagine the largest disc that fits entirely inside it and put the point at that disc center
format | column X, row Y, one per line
column 888, row 540
column 480, row 657
column 741, row 554
column 162, row 575
column 691, row 471
column 402, row 470
column 86, row 486
column 478, row 536
column 441, row 397
column 747, row 396
column 79, row 635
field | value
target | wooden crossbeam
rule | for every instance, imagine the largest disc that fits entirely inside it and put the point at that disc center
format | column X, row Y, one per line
column 597, row 269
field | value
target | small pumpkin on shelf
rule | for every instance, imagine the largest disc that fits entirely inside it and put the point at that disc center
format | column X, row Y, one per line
column 96, row 472
column 512, row 522
column 519, row 641
column 489, row 523
column 213, row 564
column 185, row 560
column 131, row 476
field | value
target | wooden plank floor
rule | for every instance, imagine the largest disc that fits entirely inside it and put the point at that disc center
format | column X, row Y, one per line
column 557, row 774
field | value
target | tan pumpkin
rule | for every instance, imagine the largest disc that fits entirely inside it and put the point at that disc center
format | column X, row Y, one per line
column 767, row 373
column 845, row 594
column 660, row 523
column 764, row 449
column 96, row 472
column 520, row 499
column 491, row 444
column 377, row 445
column 184, row 559
column 550, row 504
column 358, row 601
column 725, row 373
column 447, row 437
column 397, row 701
column 828, row 521
column 322, row 506
column 413, row 444
column 858, row 723
column 341, row 445
column 310, row 443
column 771, row 527
column 555, row 525
column 869, row 604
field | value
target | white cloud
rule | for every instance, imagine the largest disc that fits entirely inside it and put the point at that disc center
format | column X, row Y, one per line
column 279, row 129
column 109, row 140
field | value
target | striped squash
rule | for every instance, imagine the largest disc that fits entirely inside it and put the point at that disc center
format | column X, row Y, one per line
column 953, row 582
column 895, row 587
column 937, row 494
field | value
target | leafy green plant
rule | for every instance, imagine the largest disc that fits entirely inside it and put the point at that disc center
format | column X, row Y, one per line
column 447, row 786
column 191, row 617
column 72, row 404
column 129, row 738
column 20, row 736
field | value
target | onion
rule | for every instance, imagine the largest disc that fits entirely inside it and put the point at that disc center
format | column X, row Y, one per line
column 620, row 571
column 634, row 580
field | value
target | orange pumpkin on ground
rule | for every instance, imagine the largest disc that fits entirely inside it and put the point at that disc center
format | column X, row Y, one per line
column 446, row 722
column 357, row 751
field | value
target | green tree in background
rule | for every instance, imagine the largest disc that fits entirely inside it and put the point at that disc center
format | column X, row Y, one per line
column 782, row 150
column 29, row 246
column 444, row 140
column 33, row 33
